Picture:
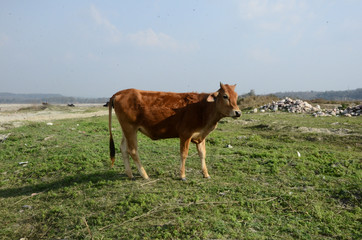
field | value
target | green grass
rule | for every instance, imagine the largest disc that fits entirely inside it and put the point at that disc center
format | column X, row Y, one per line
column 259, row 188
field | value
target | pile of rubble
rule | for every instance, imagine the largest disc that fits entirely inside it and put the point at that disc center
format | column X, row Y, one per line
column 290, row 105
column 299, row 106
column 348, row 112
column 353, row 111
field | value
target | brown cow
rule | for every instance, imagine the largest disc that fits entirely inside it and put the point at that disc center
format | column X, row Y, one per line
column 158, row 115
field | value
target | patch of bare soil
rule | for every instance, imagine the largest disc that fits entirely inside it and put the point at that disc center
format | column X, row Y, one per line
column 15, row 115
column 340, row 132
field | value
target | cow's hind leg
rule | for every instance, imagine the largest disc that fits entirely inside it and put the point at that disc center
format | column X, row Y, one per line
column 126, row 158
column 131, row 137
column 201, row 149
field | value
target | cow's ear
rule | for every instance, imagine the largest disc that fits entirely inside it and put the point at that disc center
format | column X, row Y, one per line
column 212, row 97
column 222, row 86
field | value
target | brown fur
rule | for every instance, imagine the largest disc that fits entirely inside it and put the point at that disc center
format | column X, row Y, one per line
column 160, row 115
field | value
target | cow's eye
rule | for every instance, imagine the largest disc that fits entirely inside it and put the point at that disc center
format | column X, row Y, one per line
column 226, row 96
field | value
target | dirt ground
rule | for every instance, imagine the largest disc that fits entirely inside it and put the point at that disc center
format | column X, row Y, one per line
column 15, row 115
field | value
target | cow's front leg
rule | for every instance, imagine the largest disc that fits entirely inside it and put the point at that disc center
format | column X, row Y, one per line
column 201, row 149
column 184, row 150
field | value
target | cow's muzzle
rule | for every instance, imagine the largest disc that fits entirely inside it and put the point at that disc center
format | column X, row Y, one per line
column 237, row 113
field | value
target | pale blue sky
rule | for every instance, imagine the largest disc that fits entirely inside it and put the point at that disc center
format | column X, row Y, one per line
column 95, row 48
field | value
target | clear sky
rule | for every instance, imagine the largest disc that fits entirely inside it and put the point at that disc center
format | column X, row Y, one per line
column 96, row 48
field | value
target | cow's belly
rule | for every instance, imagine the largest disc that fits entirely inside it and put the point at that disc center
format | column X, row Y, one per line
column 158, row 133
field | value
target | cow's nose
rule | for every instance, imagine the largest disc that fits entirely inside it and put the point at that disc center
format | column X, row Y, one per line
column 237, row 113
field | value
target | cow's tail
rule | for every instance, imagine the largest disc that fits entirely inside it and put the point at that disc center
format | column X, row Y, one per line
column 111, row 142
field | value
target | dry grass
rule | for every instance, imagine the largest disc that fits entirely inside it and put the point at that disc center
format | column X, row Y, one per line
column 250, row 102
column 33, row 108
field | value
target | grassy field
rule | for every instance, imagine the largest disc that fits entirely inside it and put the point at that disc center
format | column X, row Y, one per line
column 260, row 188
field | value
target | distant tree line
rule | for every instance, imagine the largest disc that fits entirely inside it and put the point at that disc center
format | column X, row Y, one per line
column 46, row 98
column 347, row 95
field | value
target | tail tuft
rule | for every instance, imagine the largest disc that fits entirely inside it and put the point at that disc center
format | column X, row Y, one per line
column 111, row 142
column 112, row 151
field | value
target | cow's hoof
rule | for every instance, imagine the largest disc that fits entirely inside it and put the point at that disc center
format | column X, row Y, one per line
column 184, row 179
column 207, row 177
column 130, row 176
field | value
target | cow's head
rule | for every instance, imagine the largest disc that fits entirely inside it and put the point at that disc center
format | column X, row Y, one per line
column 226, row 101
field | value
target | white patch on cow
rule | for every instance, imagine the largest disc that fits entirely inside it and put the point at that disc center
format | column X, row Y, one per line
column 195, row 135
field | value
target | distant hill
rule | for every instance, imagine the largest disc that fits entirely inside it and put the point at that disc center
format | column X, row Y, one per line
column 347, row 95
column 49, row 98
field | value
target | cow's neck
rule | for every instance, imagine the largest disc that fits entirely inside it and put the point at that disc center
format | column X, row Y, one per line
column 212, row 116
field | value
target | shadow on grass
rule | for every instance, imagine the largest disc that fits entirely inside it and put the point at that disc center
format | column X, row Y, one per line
column 261, row 127
column 61, row 183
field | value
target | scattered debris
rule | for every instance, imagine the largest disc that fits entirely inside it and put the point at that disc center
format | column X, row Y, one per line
column 27, row 207
column 228, row 146
column 348, row 112
column 299, row 106
column 3, row 137
column 50, row 124
column 224, row 193
column 23, row 163
column 298, row 153
column 48, row 138
column 149, row 182
column 32, row 195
